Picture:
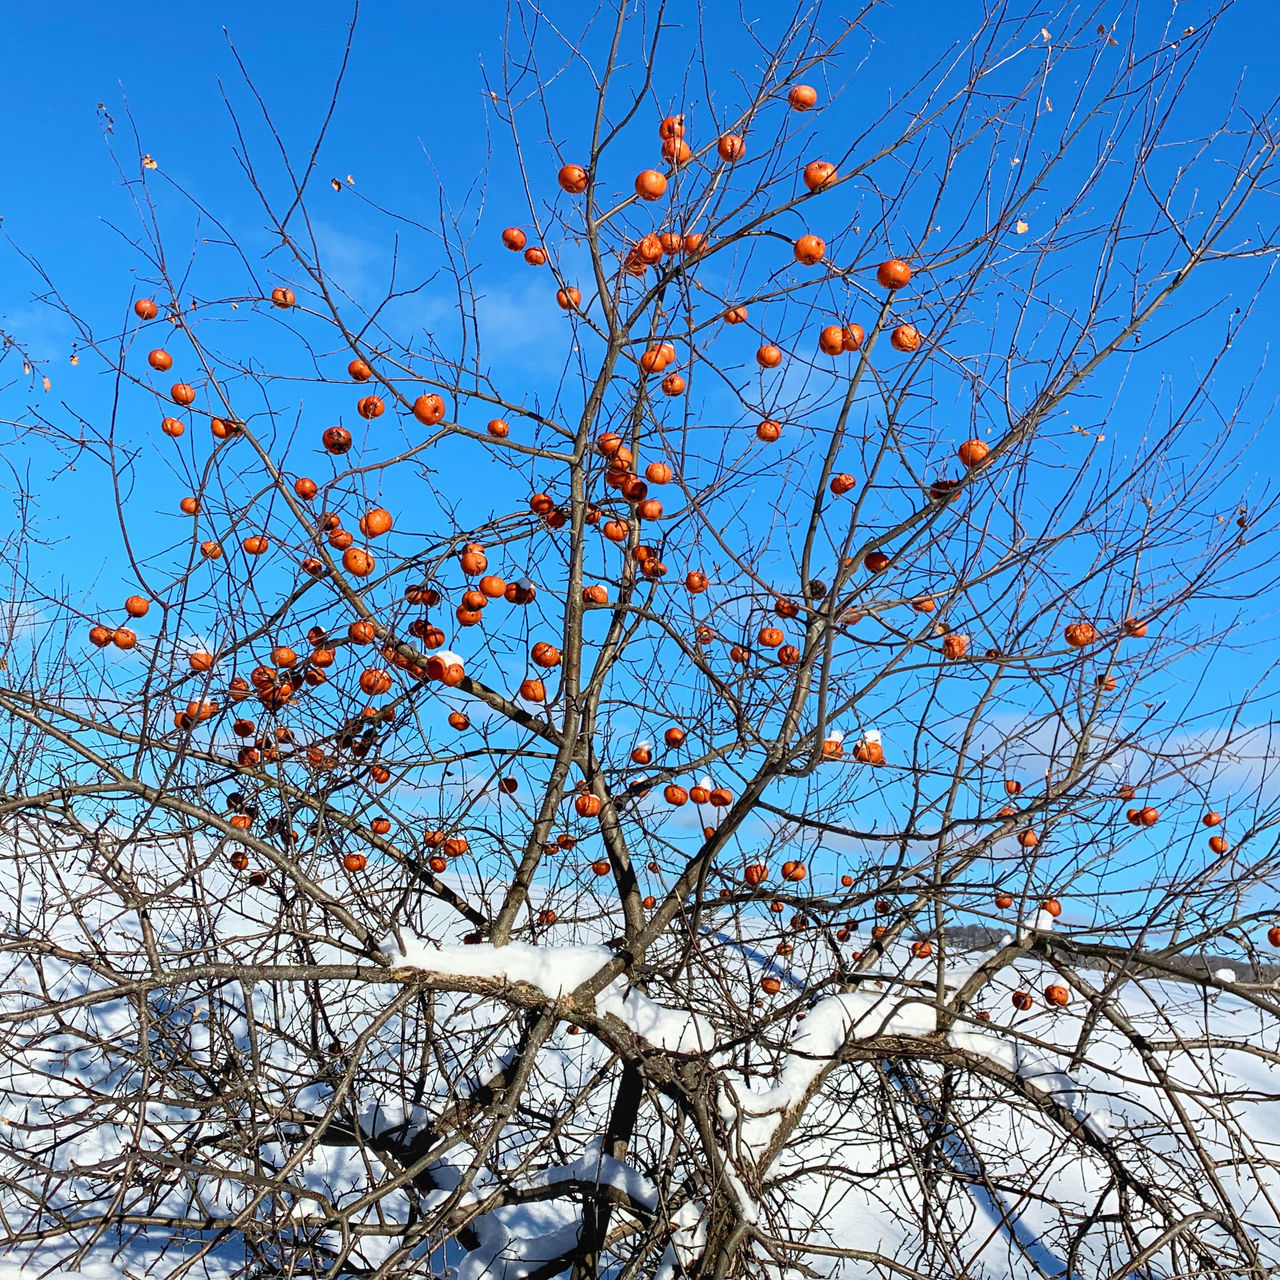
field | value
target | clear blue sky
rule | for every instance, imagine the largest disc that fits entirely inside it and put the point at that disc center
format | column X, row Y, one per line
column 413, row 100
column 414, row 83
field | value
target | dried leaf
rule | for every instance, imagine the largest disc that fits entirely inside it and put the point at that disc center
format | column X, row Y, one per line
column 1048, row 104
column 47, row 384
column 1021, row 228
column 335, row 184
column 148, row 162
column 351, row 182
column 1044, row 31
column 1102, row 31
column 75, row 359
column 26, row 369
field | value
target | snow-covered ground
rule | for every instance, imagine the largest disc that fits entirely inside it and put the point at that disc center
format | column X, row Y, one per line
column 259, row 1115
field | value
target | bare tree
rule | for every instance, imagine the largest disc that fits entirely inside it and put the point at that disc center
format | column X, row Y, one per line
column 776, row 847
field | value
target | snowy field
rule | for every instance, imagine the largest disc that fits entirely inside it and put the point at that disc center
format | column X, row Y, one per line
column 857, row 1134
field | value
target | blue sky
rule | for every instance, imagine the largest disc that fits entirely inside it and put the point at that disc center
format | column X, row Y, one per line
column 413, row 109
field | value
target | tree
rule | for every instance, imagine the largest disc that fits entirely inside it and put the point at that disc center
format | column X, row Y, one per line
column 743, row 810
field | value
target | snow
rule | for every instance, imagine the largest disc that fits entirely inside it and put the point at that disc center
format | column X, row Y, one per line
column 831, row 1023
column 516, row 1240
column 594, row 1167
column 557, row 972
column 97, row 1270
column 1038, row 1071
column 827, row 1183
column 1041, row 922
column 675, row 1030
column 688, row 1239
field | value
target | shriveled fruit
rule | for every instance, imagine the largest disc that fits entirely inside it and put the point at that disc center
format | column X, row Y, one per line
column 573, row 179
column 819, row 174
column 810, row 250
column 831, row 340
column 651, row 185
column 676, row 151
column 893, row 274
column 906, row 337
column 375, row 522
column 429, row 409
column 358, row 562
